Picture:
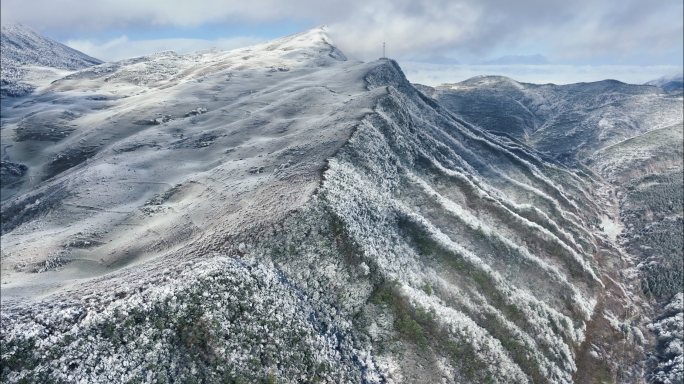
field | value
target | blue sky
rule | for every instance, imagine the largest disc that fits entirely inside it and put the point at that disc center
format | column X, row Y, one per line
column 629, row 40
column 208, row 31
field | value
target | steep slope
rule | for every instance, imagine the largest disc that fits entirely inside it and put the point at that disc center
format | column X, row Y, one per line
column 668, row 83
column 28, row 57
column 631, row 136
column 278, row 214
column 122, row 145
column 648, row 176
column 564, row 122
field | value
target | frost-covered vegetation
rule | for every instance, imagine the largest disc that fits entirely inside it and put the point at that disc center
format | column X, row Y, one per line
column 293, row 217
column 413, row 200
column 564, row 122
column 652, row 211
column 667, row 363
column 652, row 208
column 221, row 321
column 647, row 173
column 631, row 136
column 11, row 81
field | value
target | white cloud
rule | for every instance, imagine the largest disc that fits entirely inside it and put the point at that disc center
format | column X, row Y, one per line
column 434, row 74
column 122, row 47
column 618, row 31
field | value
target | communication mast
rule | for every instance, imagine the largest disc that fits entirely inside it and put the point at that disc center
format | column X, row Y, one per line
column 383, row 52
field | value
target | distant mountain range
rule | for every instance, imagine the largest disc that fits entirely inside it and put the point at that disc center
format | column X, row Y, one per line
column 504, row 60
column 25, row 52
column 560, row 120
column 515, row 59
column 668, row 83
column 630, row 136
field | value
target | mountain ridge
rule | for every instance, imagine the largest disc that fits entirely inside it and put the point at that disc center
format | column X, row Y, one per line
column 540, row 114
column 668, row 83
column 277, row 213
column 24, row 49
column 630, row 137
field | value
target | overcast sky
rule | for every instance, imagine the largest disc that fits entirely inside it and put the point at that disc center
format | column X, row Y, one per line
column 587, row 40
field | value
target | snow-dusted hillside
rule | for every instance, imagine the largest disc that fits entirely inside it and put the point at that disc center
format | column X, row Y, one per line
column 565, row 122
column 28, row 57
column 279, row 214
column 668, row 83
column 647, row 173
column 632, row 137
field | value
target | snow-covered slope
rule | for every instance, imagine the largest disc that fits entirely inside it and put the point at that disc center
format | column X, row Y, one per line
column 632, row 137
column 21, row 45
column 564, row 122
column 647, row 173
column 668, row 83
column 279, row 214
column 28, row 57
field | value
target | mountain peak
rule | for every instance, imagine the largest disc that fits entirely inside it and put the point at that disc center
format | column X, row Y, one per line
column 670, row 82
column 22, row 45
column 316, row 39
column 310, row 48
column 23, row 50
column 483, row 81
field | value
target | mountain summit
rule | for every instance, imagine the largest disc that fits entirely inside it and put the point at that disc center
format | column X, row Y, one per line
column 668, row 83
column 25, row 52
column 23, row 46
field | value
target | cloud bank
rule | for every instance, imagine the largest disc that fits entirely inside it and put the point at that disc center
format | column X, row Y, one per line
column 432, row 74
column 634, row 32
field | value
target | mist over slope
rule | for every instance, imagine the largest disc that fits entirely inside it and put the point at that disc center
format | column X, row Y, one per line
column 668, row 83
column 28, row 57
column 280, row 214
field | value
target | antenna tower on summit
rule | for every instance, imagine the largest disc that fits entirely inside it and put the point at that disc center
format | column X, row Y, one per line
column 383, row 52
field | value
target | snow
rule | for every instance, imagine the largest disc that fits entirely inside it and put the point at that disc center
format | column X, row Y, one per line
column 28, row 59
column 23, row 46
column 659, row 82
column 611, row 228
column 257, row 199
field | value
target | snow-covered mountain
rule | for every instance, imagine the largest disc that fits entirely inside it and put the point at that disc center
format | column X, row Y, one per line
column 278, row 213
column 565, row 122
column 668, row 83
column 28, row 56
column 630, row 135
